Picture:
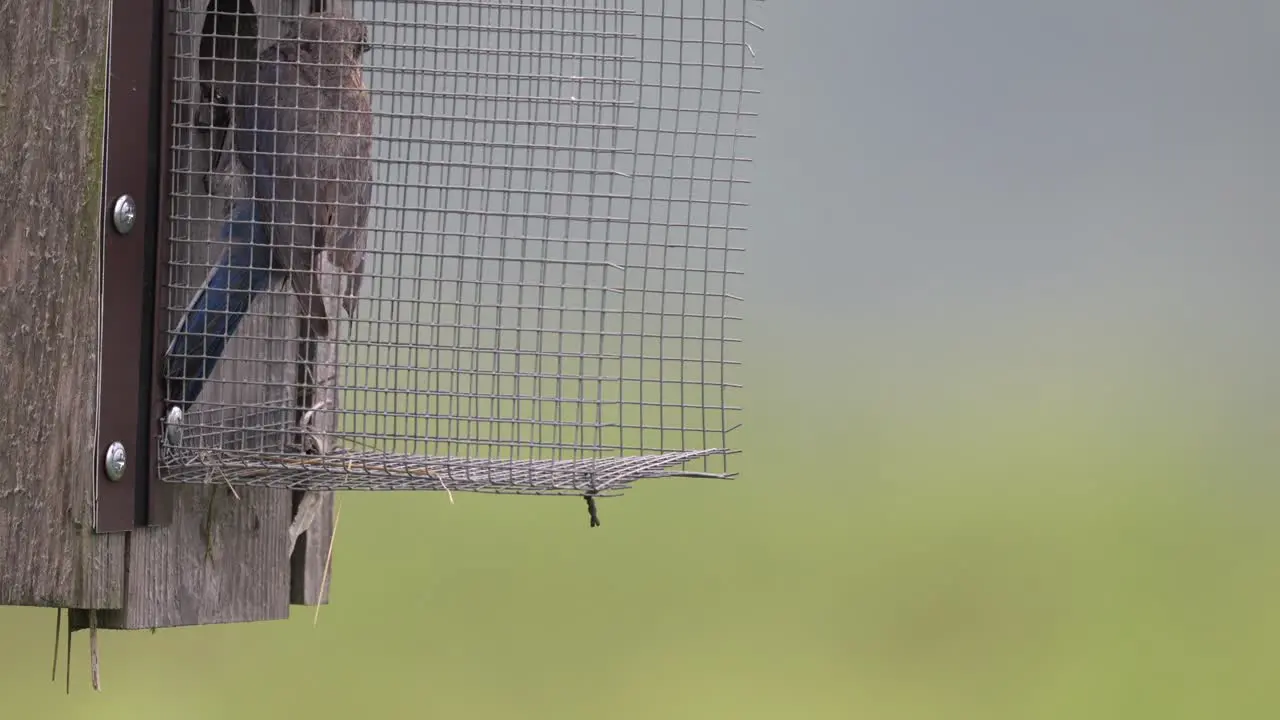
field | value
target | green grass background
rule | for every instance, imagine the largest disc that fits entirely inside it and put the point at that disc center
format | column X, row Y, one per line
column 1002, row 532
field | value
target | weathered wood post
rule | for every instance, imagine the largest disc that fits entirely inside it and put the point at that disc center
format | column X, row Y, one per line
column 52, row 101
column 194, row 554
column 223, row 556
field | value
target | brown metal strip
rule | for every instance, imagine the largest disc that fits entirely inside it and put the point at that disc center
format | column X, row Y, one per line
column 127, row 256
column 160, row 494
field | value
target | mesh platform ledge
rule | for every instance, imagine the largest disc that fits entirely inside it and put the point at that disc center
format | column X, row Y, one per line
column 342, row 470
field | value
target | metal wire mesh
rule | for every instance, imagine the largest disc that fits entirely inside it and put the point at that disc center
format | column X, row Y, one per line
column 551, row 253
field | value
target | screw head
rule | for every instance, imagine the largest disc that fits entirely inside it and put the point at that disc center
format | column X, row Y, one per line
column 173, row 427
column 124, row 213
column 115, row 461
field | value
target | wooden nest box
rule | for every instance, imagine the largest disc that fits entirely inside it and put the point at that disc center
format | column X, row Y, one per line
column 486, row 247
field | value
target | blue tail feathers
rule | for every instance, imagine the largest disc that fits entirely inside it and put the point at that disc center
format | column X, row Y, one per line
column 243, row 272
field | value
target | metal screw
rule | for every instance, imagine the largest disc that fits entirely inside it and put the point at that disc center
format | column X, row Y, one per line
column 115, row 461
column 124, row 214
column 173, row 427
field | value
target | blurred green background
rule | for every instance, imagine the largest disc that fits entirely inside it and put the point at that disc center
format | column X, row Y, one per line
column 1010, row 431
column 1005, row 539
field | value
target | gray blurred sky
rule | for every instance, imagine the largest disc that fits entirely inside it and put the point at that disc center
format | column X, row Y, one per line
column 943, row 164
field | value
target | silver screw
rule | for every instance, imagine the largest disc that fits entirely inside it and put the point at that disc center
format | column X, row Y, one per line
column 115, row 461
column 124, row 214
column 173, row 427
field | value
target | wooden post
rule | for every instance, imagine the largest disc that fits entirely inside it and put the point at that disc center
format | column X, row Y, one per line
column 310, row 579
column 52, row 102
column 318, row 399
column 224, row 555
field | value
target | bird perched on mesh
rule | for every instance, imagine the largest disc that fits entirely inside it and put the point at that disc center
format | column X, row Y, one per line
column 303, row 132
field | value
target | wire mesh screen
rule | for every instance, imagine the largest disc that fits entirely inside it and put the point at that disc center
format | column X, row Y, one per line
column 465, row 245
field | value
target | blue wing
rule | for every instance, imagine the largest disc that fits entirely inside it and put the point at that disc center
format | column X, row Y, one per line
column 243, row 272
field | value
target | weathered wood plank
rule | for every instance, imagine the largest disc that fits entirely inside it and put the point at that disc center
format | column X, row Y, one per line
column 318, row 398
column 222, row 559
column 309, row 583
column 52, row 104
column 311, row 579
